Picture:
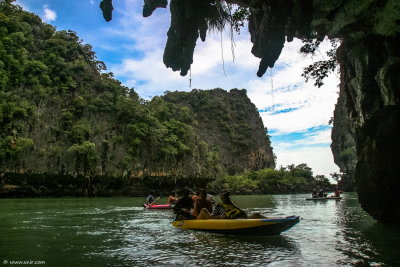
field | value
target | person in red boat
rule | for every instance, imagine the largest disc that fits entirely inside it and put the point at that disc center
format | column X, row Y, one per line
column 337, row 192
column 150, row 198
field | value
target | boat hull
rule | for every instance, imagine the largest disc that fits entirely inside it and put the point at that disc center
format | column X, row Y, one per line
column 157, row 206
column 323, row 198
column 261, row 227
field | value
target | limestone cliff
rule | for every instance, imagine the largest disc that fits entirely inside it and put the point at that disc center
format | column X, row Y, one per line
column 369, row 60
column 343, row 145
column 229, row 122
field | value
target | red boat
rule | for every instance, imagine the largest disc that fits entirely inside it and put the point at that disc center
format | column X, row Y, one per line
column 158, row 206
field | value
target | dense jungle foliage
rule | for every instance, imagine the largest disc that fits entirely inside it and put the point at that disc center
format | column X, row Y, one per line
column 289, row 179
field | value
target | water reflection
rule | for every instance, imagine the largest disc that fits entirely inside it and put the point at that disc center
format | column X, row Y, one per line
column 363, row 240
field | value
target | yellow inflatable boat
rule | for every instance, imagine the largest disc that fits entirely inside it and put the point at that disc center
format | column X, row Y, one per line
column 265, row 226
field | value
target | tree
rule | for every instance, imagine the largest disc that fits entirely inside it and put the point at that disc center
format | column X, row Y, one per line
column 301, row 170
column 320, row 69
column 336, row 176
column 86, row 157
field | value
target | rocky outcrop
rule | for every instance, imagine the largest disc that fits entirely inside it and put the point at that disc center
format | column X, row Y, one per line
column 268, row 31
column 229, row 122
column 369, row 31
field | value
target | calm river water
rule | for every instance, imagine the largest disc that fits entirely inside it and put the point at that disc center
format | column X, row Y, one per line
column 119, row 232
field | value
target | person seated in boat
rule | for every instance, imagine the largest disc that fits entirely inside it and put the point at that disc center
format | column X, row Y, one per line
column 321, row 193
column 184, row 206
column 211, row 198
column 172, row 199
column 202, row 201
column 150, row 198
column 227, row 210
column 195, row 196
column 314, row 193
column 336, row 193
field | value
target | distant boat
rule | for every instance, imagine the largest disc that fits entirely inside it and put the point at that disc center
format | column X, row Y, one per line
column 158, row 206
column 258, row 227
column 323, row 198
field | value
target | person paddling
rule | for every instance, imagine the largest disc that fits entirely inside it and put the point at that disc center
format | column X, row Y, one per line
column 150, row 198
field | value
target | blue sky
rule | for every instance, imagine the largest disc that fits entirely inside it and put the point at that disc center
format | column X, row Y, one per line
column 296, row 113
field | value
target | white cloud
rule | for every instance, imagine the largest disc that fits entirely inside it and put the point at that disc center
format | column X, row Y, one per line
column 147, row 34
column 143, row 57
column 312, row 138
column 49, row 15
column 319, row 159
column 155, row 78
column 314, row 106
column 320, row 137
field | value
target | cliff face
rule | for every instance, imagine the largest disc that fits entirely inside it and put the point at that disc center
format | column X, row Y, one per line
column 229, row 122
column 343, row 145
column 369, row 31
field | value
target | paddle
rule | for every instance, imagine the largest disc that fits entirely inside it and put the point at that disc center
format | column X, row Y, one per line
column 191, row 191
column 194, row 193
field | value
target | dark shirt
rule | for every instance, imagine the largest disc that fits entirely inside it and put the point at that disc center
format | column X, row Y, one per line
column 183, row 203
column 150, row 199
